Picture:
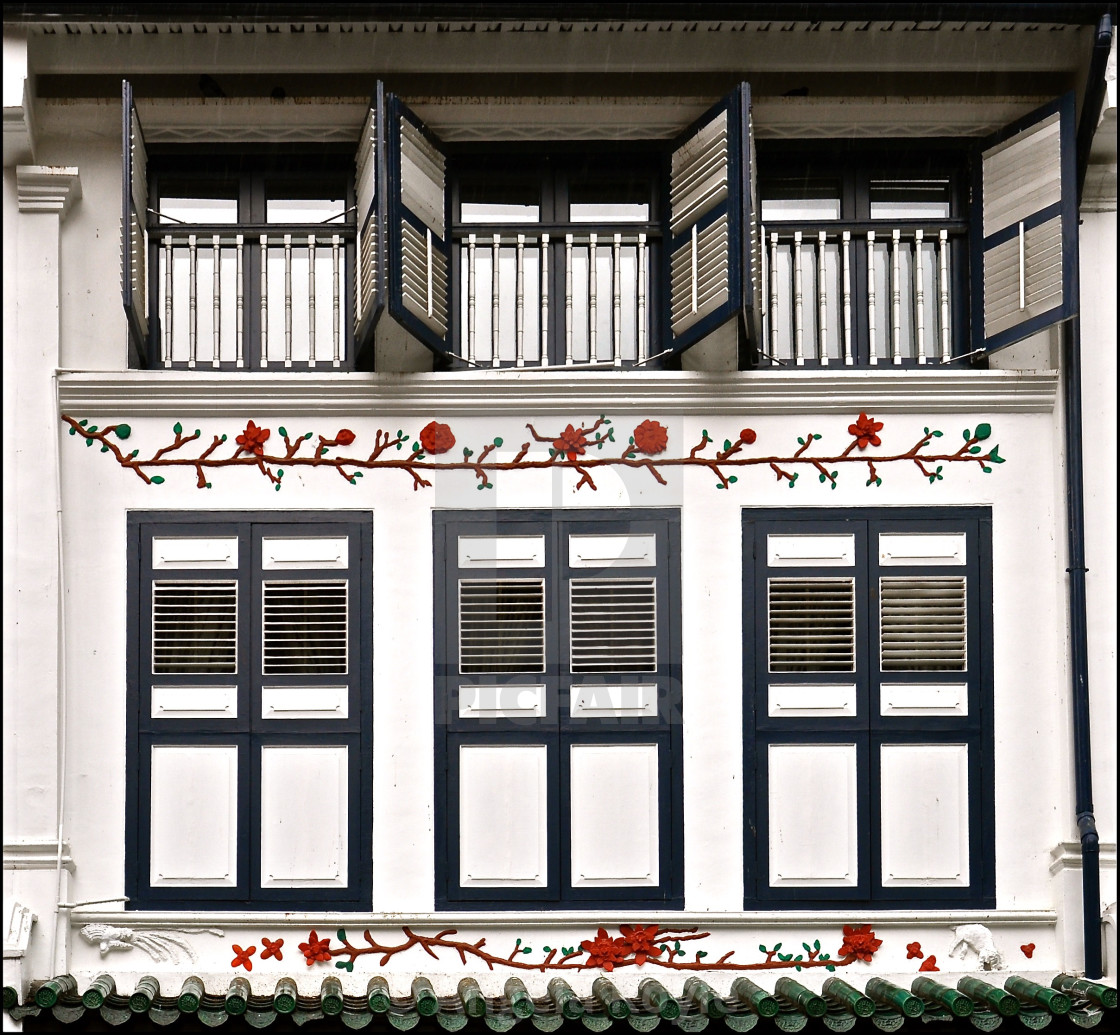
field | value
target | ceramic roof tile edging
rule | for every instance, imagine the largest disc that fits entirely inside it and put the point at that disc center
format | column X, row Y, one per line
column 788, row 1007
column 195, row 394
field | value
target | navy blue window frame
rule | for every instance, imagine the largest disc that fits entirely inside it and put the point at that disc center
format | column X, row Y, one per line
column 868, row 729
column 558, row 729
column 248, row 731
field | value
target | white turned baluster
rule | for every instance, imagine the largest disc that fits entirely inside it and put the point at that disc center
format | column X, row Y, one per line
column 943, row 281
column 216, row 243
column 643, row 342
column 896, row 301
column 336, row 298
column 544, row 300
column 774, row 299
column 239, row 330
column 494, row 307
column 471, row 241
column 264, row 300
column 920, row 296
column 192, row 301
column 592, row 302
column 520, row 311
column 616, row 301
column 311, row 300
column 872, row 351
column 568, row 300
column 287, row 300
column 798, row 343
column 168, row 300
column 848, row 358
column 822, row 300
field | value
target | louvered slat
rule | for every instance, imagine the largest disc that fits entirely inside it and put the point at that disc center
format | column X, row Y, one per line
column 1023, row 176
column 366, row 189
column 305, row 627
column 811, row 625
column 1042, row 258
column 923, row 624
column 422, row 177
column 194, row 626
column 417, row 251
column 711, row 269
column 613, row 625
column 698, row 180
column 501, row 625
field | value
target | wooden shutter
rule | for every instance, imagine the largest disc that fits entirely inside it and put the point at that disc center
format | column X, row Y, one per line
column 812, row 625
column 305, row 626
column 501, row 625
column 369, row 181
column 922, row 622
column 416, row 231
column 710, row 254
column 613, row 625
column 194, row 626
column 134, row 223
column 1024, row 234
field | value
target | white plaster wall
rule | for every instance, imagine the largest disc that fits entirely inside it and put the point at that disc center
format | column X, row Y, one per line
column 1029, row 605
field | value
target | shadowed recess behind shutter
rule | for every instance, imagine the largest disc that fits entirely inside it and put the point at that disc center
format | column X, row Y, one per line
column 501, row 625
column 194, row 626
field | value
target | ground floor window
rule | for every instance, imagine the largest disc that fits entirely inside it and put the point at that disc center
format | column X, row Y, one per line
column 249, row 722
column 868, row 707
column 558, row 709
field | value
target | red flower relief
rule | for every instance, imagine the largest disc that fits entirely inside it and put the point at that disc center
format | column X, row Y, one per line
column 747, row 436
column 603, row 951
column 345, row 437
column 865, row 429
column 1028, row 949
column 436, row 438
column 241, row 957
column 859, row 942
column 650, row 437
column 929, row 964
column 253, row 439
column 272, row 949
column 315, row 948
column 914, row 951
column 570, row 442
column 640, row 941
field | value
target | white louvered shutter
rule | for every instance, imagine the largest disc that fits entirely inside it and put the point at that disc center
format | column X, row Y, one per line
column 710, row 223
column 613, row 625
column 1024, row 247
column 369, row 189
column 501, row 625
column 194, row 626
column 922, row 622
column 812, row 625
column 134, row 225
column 419, row 252
column 305, row 626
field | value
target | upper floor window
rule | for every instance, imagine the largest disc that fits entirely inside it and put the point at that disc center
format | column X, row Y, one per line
column 817, row 255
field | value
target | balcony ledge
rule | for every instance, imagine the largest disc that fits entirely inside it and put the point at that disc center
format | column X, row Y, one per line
column 482, row 393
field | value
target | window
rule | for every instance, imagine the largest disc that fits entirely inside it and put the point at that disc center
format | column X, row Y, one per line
column 864, row 254
column 249, row 259
column 558, row 705
column 576, row 238
column 249, row 725
column 868, row 708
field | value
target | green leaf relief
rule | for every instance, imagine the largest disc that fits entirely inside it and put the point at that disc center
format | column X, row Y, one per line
column 398, row 445
column 357, row 474
column 776, row 947
column 157, row 479
column 829, row 967
column 983, row 431
column 340, row 934
column 89, row 441
column 325, row 451
column 700, row 954
column 704, row 433
column 209, row 486
column 816, row 436
column 800, row 441
column 986, row 470
column 277, row 486
column 104, row 449
column 720, row 485
column 122, row 431
column 631, row 437
column 994, row 456
column 72, row 431
column 133, row 454
column 224, row 438
column 726, row 444
column 974, row 449
column 937, row 434
column 177, row 428
column 92, row 427
column 283, row 431
column 821, row 477
column 308, row 435
column 83, row 423
column 498, row 443
column 545, row 948
column 762, row 948
column 733, row 478
column 966, row 434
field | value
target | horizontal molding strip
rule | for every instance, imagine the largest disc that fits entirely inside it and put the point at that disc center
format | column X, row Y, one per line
column 552, row 919
column 31, row 854
column 475, row 394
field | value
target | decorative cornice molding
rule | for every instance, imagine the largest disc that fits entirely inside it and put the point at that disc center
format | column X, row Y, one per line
column 178, row 394
column 138, row 920
column 31, row 854
column 48, row 188
column 1066, row 855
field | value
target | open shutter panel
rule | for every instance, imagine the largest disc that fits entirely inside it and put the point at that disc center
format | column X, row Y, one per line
column 134, row 221
column 369, row 181
column 1024, row 253
column 419, row 253
column 710, row 200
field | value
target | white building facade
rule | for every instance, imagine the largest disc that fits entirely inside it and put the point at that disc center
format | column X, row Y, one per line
column 615, row 496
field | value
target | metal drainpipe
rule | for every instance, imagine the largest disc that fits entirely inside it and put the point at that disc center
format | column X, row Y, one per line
column 1075, row 510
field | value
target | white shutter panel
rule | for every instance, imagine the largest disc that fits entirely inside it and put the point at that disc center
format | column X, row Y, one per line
column 501, row 625
column 709, row 222
column 923, row 622
column 812, row 625
column 614, row 625
column 419, row 252
column 1025, row 228
column 134, row 223
column 369, row 188
column 194, row 626
column 305, row 627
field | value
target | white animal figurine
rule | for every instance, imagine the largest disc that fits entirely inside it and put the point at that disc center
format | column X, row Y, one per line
column 978, row 939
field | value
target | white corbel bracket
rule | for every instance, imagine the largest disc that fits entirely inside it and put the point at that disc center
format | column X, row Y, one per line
column 48, row 188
